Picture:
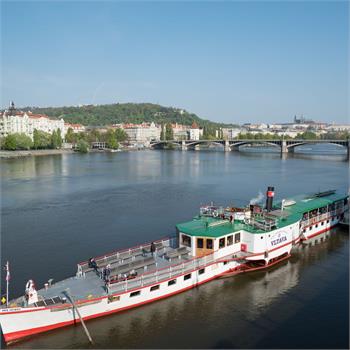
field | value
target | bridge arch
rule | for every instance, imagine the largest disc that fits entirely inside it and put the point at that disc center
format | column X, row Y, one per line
column 160, row 144
column 339, row 143
column 203, row 142
column 238, row 144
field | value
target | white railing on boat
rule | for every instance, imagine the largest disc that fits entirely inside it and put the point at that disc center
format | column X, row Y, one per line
column 163, row 274
column 321, row 217
column 124, row 254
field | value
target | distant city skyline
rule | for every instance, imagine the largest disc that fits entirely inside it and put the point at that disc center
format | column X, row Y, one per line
column 229, row 62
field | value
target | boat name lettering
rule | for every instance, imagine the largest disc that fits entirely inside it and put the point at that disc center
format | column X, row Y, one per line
column 279, row 240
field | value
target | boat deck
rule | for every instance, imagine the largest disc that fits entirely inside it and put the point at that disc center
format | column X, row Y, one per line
column 91, row 285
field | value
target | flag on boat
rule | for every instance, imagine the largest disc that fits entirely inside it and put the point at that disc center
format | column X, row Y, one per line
column 7, row 268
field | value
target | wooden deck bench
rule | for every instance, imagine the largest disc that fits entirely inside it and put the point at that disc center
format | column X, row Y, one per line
column 135, row 265
column 113, row 259
column 179, row 252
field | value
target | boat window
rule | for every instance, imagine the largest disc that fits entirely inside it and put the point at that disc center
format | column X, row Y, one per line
column 170, row 283
column 154, row 288
column 112, row 298
column 327, row 221
column 209, row 243
column 237, row 237
column 186, row 240
column 222, row 243
column 322, row 223
column 323, row 210
column 187, row 277
column 199, row 242
column 310, row 228
column 201, row 271
column 316, row 226
column 230, row 240
column 134, row 294
column 304, row 230
column 40, row 303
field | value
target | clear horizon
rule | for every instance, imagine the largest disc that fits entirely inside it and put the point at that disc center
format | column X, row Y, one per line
column 228, row 62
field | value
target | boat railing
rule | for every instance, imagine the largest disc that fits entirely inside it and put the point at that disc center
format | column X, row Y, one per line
column 261, row 223
column 321, row 217
column 159, row 275
column 211, row 211
column 124, row 254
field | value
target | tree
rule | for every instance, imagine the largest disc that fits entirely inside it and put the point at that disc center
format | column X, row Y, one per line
column 82, row 136
column 59, row 138
column 162, row 133
column 94, row 136
column 10, row 142
column 42, row 139
column 56, row 139
column 17, row 141
column 54, row 142
column 23, row 141
column 82, row 146
column 111, row 139
column 70, row 136
column 120, row 135
column 307, row 135
column 125, row 113
column 169, row 134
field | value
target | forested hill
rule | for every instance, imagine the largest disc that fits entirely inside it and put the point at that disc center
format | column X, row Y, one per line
column 124, row 112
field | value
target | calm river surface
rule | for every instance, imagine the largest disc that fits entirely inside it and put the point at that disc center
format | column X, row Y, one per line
column 59, row 210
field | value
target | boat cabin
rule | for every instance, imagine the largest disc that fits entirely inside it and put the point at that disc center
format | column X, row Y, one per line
column 214, row 230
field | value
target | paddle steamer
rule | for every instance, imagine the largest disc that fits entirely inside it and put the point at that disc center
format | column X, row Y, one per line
column 219, row 242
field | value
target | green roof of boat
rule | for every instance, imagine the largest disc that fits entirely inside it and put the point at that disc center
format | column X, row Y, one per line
column 215, row 227
column 307, row 203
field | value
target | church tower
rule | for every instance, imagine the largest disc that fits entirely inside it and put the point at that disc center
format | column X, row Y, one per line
column 12, row 109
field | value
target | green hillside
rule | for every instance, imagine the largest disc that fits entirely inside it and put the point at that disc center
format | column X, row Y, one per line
column 124, row 112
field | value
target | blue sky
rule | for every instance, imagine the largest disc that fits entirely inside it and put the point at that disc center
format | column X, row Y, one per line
column 226, row 61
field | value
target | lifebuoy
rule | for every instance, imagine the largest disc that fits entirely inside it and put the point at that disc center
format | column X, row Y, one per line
column 215, row 213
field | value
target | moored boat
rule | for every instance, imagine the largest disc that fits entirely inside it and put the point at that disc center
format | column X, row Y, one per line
column 219, row 242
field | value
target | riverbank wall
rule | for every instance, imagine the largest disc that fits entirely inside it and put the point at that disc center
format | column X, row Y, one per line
column 37, row 152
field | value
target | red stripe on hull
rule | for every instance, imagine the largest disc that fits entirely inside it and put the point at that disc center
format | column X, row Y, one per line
column 14, row 336
column 236, row 272
column 319, row 232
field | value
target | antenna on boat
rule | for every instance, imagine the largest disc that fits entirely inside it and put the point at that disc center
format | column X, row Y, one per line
column 66, row 292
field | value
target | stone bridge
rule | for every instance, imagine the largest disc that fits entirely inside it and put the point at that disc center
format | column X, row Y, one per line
column 285, row 146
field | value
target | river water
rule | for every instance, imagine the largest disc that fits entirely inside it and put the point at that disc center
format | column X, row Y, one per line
column 59, row 210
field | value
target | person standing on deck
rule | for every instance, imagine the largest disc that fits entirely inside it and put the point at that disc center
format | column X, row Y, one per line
column 153, row 248
column 107, row 272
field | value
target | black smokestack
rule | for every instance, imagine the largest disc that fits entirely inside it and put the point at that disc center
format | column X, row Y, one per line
column 269, row 197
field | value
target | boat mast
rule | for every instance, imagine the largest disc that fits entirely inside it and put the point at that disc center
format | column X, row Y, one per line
column 7, row 282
